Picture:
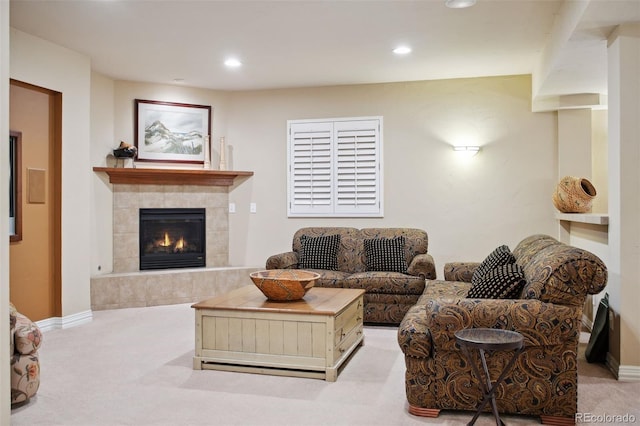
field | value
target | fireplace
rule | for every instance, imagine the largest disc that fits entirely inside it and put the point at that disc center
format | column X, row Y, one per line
column 172, row 238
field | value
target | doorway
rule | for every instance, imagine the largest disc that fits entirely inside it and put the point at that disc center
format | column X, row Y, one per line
column 34, row 259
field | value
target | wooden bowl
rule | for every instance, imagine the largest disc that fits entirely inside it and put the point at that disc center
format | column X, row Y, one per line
column 284, row 284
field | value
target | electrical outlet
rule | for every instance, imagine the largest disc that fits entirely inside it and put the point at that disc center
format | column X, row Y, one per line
column 232, row 207
column 252, row 207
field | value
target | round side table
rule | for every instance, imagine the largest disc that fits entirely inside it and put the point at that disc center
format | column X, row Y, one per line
column 489, row 339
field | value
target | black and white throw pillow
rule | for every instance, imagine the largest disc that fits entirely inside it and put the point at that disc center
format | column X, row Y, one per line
column 319, row 252
column 385, row 254
column 499, row 257
column 503, row 282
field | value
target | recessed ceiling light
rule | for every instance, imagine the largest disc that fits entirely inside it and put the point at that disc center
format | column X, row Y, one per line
column 459, row 4
column 233, row 63
column 402, row 50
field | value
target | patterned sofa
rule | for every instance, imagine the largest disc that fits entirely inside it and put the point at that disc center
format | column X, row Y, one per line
column 388, row 294
column 25, row 338
column 548, row 313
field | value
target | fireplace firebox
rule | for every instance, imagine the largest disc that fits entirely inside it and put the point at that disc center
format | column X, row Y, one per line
column 172, row 238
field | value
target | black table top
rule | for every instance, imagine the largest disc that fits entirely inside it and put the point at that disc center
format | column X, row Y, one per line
column 489, row 338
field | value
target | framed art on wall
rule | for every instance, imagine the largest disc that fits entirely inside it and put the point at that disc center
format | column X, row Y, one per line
column 15, row 186
column 171, row 132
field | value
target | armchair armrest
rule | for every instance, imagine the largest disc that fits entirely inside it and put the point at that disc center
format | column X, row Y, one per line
column 460, row 271
column 288, row 260
column 413, row 333
column 423, row 265
column 541, row 324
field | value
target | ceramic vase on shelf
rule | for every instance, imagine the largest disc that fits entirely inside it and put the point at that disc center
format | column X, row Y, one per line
column 223, row 162
column 207, row 153
column 574, row 195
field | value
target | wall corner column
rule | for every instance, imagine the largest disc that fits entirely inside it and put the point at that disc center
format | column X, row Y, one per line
column 624, row 198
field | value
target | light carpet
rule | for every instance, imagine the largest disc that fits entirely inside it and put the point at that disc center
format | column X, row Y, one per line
column 134, row 367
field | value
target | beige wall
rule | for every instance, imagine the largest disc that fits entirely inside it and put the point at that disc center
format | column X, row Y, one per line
column 112, row 121
column 624, row 198
column 102, row 141
column 41, row 63
column 599, row 160
column 467, row 207
column 126, row 92
column 574, row 149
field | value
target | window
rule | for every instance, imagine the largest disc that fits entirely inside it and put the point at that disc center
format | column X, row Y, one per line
column 334, row 167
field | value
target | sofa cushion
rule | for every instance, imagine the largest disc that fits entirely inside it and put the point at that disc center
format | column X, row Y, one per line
column 333, row 279
column 385, row 282
column 350, row 252
column 385, row 255
column 319, row 252
column 503, row 282
column 498, row 257
column 416, row 241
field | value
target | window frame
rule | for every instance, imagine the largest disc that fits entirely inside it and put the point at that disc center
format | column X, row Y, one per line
column 307, row 138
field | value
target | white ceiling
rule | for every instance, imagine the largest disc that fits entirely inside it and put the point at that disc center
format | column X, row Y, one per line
column 316, row 43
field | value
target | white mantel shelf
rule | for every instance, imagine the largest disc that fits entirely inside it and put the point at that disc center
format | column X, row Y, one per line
column 142, row 176
column 592, row 218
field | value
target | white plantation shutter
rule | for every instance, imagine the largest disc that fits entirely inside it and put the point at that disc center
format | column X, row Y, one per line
column 311, row 157
column 357, row 165
column 335, row 167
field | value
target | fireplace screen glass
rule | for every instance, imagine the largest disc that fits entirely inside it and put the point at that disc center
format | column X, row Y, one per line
column 172, row 238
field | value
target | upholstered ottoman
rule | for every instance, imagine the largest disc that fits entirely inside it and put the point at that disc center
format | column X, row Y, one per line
column 26, row 339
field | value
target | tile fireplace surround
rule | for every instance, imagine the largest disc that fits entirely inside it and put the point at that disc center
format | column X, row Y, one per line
column 128, row 287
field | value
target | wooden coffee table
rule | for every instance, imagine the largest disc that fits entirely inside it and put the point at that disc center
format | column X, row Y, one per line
column 313, row 337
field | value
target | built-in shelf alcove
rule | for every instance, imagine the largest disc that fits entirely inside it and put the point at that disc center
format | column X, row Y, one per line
column 592, row 218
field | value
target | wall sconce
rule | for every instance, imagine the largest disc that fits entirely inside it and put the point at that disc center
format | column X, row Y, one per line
column 459, row 4
column 467, row 151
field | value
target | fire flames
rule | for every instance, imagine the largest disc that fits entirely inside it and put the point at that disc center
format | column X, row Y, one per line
column 180, row 244
column 166, row 244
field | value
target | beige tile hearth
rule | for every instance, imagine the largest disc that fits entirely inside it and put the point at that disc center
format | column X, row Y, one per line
column 164, row 287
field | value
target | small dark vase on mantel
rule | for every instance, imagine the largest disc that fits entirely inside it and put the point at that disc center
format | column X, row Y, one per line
column 125, row 150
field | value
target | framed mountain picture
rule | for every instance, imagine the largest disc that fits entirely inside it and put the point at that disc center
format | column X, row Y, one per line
column 172, row 132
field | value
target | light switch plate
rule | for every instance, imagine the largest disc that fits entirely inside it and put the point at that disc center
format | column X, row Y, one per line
column 232, row 207
column 253, row 208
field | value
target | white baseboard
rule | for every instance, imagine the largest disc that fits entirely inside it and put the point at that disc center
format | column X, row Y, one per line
column 68, row 321
column 629, row 373
column 624, row 373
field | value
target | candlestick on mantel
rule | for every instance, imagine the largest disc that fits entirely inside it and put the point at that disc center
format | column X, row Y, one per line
column 207, row 153
column 223, row 163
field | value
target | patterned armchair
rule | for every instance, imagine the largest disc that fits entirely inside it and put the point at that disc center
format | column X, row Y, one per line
column 544, row 380
column 389, row 294
column 26, row 338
